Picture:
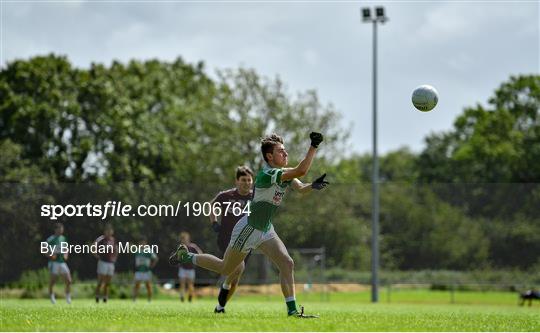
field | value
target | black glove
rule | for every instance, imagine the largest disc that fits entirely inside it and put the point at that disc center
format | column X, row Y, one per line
column 216, row 226
column 319, row 183
column 316, row 139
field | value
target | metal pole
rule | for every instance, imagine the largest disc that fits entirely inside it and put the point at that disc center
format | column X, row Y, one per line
column 375, row 184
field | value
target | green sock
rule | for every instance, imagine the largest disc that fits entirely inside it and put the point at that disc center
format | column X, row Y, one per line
column 291, row 307
column 187, row 258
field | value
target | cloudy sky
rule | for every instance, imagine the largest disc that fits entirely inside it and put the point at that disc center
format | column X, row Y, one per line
column 465, row 49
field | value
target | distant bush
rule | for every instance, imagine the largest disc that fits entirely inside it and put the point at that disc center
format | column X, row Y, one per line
column 32, row 280
column 34, row 284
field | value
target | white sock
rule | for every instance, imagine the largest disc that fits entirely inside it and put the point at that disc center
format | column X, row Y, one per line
column 291, row 298
column 219, row 307
column 68, row 298
column 53, row 299
column 226, row 286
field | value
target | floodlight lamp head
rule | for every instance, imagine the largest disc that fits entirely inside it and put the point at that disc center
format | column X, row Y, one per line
column 366, row 14
column 380, row 15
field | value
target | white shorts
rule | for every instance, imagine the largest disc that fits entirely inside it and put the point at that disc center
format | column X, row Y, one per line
column 57, row 268
column 105, row 268
column 245, row 238
column 143, row 276
column 186, row 273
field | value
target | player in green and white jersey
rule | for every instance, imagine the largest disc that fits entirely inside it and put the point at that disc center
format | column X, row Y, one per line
column 57, row 262
column 144, row 262
column 256, row 230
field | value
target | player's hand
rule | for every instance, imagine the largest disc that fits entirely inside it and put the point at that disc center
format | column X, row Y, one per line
column 316, row 139
column 319, row 183
column 53, row 257
column 216, row 226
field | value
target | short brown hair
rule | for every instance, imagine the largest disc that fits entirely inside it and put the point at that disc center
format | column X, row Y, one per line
column 268, row 143
column 243, row 170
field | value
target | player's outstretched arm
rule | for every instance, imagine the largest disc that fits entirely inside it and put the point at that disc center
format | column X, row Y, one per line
column 318, row 184
column 300, row 187
column 303, row 167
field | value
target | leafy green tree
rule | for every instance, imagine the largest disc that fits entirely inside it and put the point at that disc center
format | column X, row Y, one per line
column 145, row 132
column 491, row 158
column 39, row 99
column 261, row 106
column 18, row 196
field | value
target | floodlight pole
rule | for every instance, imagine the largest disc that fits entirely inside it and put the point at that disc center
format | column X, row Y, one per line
column 379, row 18
column 375, row 184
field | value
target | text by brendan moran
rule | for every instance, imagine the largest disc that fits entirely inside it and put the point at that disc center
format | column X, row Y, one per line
column 123, row 247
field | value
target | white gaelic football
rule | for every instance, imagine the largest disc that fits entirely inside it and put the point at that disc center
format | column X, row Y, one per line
column 425, row 98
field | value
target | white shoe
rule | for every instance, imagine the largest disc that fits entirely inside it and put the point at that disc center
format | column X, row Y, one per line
column 53, row 299
column 68, row 299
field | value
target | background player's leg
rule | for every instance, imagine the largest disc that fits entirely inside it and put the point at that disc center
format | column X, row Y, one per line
column 228, row 287
column 136, row 289
column 107, row 279
column 233, row 261
column 182, row 288
column 100, row 281
column 67, row 281
column 148, row 290
column 232, row 282
column 52, row 281
column 277, row 252
column 191, row 288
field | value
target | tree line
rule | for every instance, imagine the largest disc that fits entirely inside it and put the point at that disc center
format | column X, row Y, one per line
column 163, row 131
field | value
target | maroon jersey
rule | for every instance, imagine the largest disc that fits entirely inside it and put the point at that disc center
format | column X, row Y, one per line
column 228, row 218
column 193, row 248
column 108, row 242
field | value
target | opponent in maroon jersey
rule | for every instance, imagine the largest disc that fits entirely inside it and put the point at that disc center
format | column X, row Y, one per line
column 232, row 203
column 107, row 252
column 186, row 272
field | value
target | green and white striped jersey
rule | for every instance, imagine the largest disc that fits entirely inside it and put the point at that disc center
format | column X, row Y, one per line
column 268, row 194
column 57, row 240
column 143, row 261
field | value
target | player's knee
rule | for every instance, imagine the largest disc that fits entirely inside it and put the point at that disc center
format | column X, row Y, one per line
column 288, row 264
column 241, row 268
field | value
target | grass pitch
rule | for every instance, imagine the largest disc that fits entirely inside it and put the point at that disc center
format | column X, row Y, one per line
column 343, row 312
